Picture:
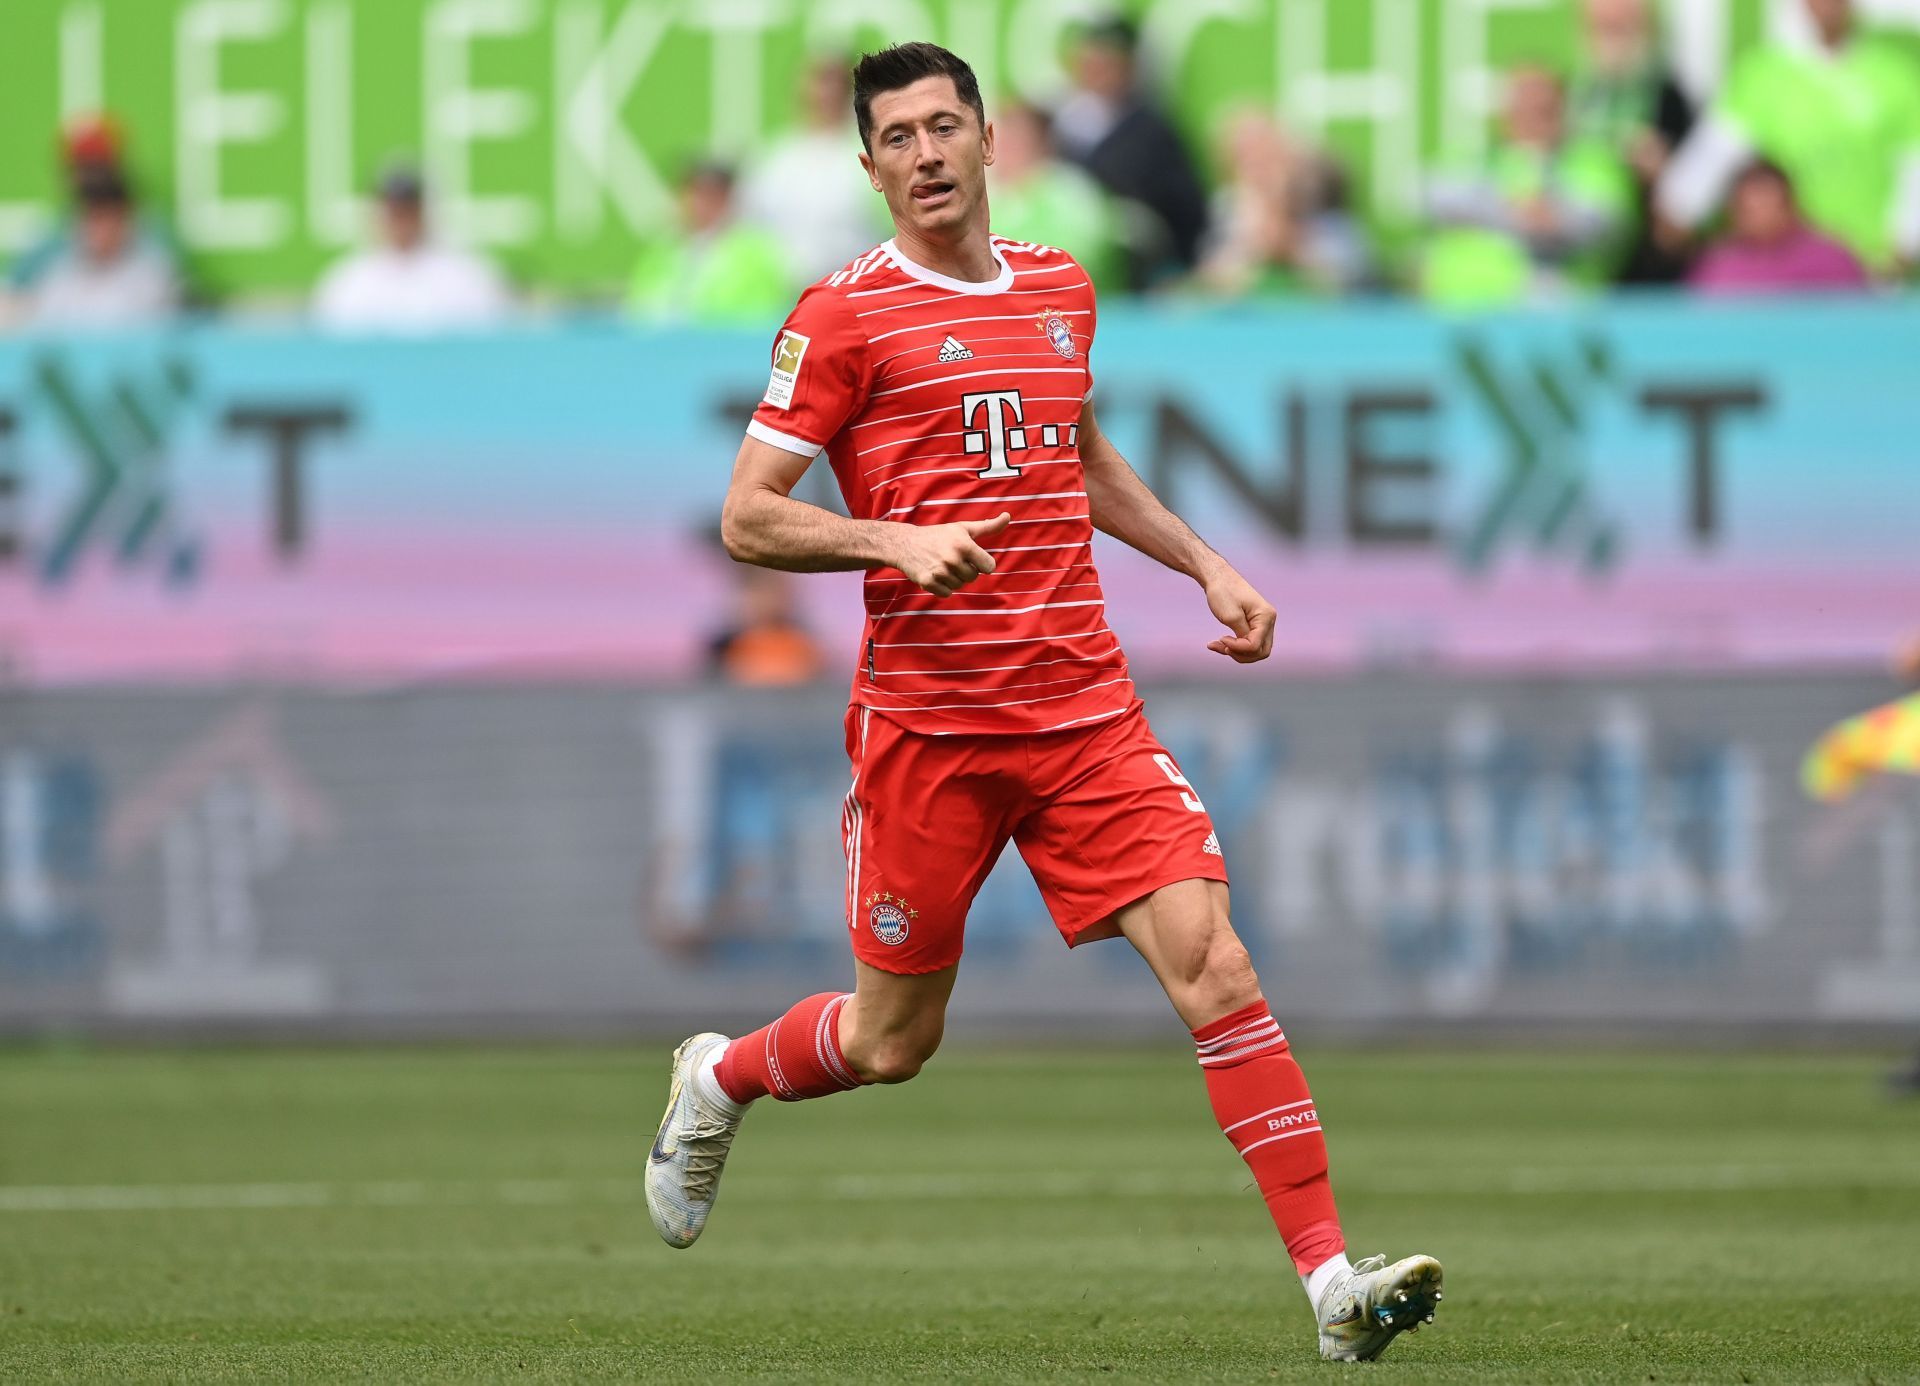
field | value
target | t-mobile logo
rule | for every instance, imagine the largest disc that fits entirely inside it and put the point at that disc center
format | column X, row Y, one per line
column 1006, row 430
column 996, row 438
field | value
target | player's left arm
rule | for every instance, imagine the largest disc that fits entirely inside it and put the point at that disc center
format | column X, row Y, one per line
column 1121, row 505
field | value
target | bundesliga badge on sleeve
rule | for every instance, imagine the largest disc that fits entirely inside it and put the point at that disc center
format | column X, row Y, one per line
column 787, row 355
column 1056, row 330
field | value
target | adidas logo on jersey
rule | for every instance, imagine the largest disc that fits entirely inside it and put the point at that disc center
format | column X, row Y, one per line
column 1212, row 845
column 954, row 350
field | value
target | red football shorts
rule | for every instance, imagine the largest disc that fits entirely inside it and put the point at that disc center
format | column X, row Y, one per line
column 1101, row 814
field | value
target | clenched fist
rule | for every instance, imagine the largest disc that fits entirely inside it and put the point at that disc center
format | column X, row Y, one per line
column 945, row 558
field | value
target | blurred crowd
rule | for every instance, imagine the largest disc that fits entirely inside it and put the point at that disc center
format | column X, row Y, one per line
column 1801, row 174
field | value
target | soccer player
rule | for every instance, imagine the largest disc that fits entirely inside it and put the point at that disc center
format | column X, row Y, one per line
column 945, row 374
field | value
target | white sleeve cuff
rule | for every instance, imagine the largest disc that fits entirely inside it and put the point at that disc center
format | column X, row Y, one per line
column 1906, row 208
column 785, row 441
column 1701, row 170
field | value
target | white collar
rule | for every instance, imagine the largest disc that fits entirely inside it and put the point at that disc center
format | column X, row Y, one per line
column 941, row 281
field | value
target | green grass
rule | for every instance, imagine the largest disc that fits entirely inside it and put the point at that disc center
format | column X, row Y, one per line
column 474, row 1214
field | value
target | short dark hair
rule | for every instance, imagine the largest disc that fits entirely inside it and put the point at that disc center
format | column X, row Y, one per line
column 101, row 185
column 902, row 65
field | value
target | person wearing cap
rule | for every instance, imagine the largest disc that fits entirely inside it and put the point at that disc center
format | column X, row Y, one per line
column 407, row 282
column 106, row 264
column 105, row 273
column 714, row 267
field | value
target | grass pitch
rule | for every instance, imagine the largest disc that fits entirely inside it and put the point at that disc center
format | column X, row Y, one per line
column 428, row 1214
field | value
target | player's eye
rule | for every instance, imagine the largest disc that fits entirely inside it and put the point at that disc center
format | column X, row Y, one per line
column 945, row 128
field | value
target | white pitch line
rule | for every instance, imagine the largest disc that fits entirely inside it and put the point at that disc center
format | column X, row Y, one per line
column 863, row 1188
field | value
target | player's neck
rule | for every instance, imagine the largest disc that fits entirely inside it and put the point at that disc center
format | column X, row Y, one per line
column 968, row 256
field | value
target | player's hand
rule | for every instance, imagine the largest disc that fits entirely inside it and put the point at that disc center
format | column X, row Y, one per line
column 945, row 558
column 1246, row 613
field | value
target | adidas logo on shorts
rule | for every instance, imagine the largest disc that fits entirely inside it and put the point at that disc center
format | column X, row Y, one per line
column 954, row 350
column 1212, row 845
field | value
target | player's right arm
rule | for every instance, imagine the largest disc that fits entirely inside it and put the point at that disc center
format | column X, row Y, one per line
column 761, row 523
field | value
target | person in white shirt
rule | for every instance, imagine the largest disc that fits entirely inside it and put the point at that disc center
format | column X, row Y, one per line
column 808, row 189
column 407, row 283
column 107, row 274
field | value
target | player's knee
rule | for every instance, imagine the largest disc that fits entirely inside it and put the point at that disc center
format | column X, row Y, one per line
column 1223, row 978
column 893, row 1063
column 896, row 1058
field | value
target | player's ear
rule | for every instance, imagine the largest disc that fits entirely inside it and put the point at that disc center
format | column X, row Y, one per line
column 866, row 162
column 986, row 139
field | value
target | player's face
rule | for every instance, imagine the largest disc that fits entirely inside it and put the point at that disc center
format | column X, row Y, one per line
column 929, row 157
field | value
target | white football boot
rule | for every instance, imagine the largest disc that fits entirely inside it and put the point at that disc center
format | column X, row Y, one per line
column 683, row 1168
column 1363, row 1312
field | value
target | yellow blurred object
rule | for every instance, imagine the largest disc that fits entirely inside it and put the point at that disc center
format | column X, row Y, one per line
column 1883, row 741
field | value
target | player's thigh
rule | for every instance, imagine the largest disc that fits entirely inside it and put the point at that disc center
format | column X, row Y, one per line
column 925, row 820
column 1114, row 822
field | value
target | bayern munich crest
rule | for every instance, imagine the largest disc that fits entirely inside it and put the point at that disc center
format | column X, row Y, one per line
column 1057, row 331
column 889, row 916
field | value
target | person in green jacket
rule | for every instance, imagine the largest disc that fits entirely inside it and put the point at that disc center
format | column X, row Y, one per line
column 714, row 269
column 1037, row 196
column 1842, row 119
column 1546, row 212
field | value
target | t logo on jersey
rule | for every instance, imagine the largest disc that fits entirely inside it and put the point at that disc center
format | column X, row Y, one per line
column 996, row 437
column 1005, row 430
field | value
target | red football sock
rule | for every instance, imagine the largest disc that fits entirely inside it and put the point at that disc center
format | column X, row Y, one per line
column 1261, row 1100
column 798, row 1056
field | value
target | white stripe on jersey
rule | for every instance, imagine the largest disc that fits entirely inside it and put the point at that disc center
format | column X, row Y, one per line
column 983, row 669
column 1011, row 572
column 990, row 611
column 989, row 500
column 1097, row 717
column 997, row 688
column 921, row 302
column 909, row 442
column 996, row 594
column 854, row 270
column 969, row 375
column 959, row 322
column 1007, row 640
column 977, row 356
column 1012, row 702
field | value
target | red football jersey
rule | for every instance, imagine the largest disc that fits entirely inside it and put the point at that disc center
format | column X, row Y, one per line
column 936, row 400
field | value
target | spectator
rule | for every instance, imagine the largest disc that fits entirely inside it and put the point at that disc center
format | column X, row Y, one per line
column 764, row 644
column 1036, row 196
column 1842, row 120
column 105, row 273
column 1769, row 247
column 1626, row 98
column 1108, row 126
column 808, row 189
column 104, row 265
column 715, row 268
column 407, row 283
column 1280, row 223
column 1545, row 212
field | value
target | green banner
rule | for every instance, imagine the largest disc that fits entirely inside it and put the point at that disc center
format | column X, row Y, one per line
column 552, row 129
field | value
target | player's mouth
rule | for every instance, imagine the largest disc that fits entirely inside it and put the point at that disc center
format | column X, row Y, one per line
column 933, row 193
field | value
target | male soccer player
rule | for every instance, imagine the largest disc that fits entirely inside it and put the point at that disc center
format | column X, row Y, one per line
column 945, row 375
